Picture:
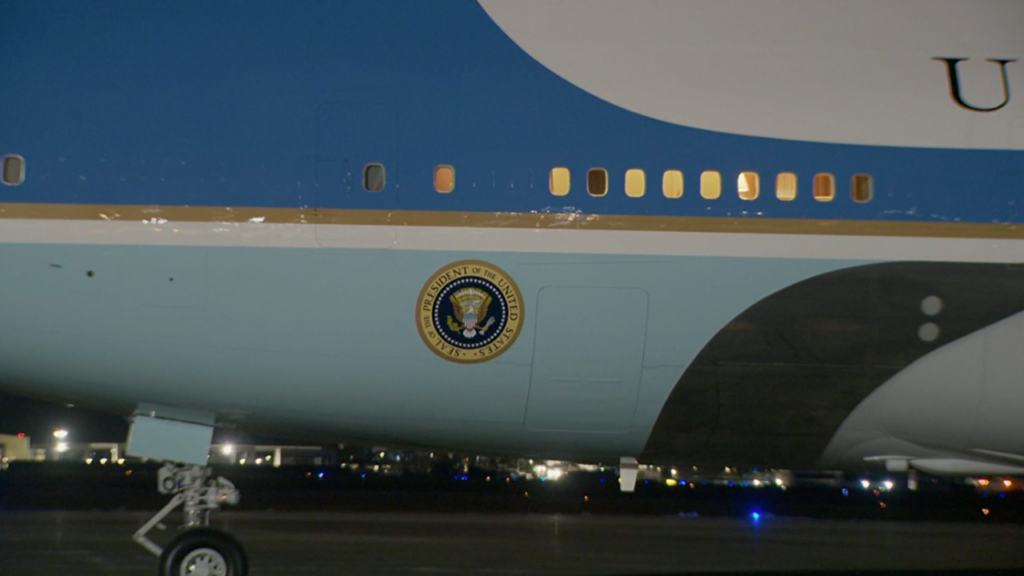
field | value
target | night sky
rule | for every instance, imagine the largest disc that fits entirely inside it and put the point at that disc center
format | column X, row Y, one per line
column 39, row 419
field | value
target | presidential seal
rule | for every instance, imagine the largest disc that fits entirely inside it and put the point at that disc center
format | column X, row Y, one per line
column 469, row 311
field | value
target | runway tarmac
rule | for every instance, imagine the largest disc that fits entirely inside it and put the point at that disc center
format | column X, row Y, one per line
column 99, row 543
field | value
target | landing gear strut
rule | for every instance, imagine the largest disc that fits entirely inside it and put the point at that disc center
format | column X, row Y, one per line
column 198, row 550
column 628, row 471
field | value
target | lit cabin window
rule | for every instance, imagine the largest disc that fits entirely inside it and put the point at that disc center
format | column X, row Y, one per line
column 862, row 188
column 13, row 170
column 824, row 187
column 558, row 181
column 444, row 178
column 672, row 184
column 785, row 186
column 636, row 182
column 749, row 185
column 710, row 184
column 373, row 177
column 597, row 181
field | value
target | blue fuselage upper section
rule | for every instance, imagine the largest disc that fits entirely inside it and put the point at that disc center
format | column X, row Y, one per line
column 272, row 104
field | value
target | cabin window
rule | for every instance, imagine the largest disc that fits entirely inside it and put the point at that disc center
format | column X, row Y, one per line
column 444, row 178
column 672, row 184
column 785, row 186
column 558, row 181
column 824, row 187
column 748, row 184
column 710, row 184
column 597, row 181
column 862, row 188
column 13, row 170
column 636, row 183
column 374, row 177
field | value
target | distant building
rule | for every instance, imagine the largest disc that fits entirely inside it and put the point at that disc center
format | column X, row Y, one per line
column 17, row 447
column 276, row 456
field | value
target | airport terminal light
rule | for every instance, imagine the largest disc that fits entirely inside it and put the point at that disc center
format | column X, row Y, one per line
column 60, row 434
column 62, row 447
column 227, row 449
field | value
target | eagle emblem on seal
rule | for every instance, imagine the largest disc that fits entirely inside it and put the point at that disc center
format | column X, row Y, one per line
column 469, row 307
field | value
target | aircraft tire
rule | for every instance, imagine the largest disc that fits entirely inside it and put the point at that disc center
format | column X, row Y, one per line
column 214, row 550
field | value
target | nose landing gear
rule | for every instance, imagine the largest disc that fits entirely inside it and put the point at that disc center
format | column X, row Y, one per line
column 198, row 550
column 203, row 552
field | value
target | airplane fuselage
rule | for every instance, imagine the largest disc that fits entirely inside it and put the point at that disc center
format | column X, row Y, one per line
column 701, row 232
